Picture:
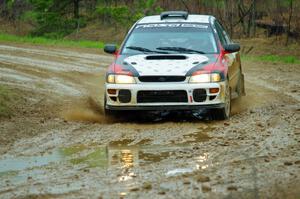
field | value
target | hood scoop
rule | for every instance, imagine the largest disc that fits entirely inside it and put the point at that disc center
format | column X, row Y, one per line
column 165, row 64
column 164, row 57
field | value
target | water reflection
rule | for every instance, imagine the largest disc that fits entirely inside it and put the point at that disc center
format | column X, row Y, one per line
column 99, row 156
column 22, row 163
column 203, row 161
column 126, row 159
column 123, row 158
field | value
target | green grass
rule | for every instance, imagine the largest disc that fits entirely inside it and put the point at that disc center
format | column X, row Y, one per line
column 52, row 42
column 273, row 59
column 7, row 98
column 277, row 58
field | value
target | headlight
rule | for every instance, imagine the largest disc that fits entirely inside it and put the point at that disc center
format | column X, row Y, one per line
column 205, row 78
column 215, row 77
column 120, row 79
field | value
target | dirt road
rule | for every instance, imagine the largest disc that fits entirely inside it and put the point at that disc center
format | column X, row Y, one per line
column 58, row 144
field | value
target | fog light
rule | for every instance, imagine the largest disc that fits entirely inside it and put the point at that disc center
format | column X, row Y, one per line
column 124, row 96
column 214, row 90
column 112, row 91
column 199, row 95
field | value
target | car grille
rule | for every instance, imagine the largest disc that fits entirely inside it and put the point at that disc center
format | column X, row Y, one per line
column 162, row 78
column 162, row 96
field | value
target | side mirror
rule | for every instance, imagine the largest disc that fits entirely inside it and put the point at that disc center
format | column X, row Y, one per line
column 232, row 48
column 110, row 48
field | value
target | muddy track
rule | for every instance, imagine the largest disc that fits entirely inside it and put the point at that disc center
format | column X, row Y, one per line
column 61, row 146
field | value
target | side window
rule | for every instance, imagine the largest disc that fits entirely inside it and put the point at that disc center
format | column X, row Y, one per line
column 224, row 37
column 228, row 40
column 220, row 33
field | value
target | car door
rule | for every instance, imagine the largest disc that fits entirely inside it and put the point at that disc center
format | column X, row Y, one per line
column 232, row 59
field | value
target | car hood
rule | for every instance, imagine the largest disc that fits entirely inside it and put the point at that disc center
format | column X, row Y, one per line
column 166, row 64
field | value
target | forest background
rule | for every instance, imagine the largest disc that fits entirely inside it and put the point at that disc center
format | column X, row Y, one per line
column 109, row 20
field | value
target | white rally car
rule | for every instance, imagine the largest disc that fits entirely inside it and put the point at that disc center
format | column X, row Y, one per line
column 175, row 61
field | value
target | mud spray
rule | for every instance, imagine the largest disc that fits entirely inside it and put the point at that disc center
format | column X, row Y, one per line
column 90, row 110
column 85, row 110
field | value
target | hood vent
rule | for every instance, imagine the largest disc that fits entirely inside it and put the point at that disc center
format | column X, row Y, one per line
column 162, row 78
column 169, row 57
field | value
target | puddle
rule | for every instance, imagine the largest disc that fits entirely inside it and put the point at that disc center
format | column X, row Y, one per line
column 199, row 136
column 92, row 156
column 201, row 162
column 151, row 157
column 180, row 171
column 123, row 163
column 89, row 156
column 124, row 142
column 116, row 153
column 130, row 142
column 120, row 155
column 22, row 163
column 96, row 158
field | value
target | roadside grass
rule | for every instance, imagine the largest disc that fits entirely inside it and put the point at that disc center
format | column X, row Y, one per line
column 273, row 59
column 51, row 42
column 7, row 99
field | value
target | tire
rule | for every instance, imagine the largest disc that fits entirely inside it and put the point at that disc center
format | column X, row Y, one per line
column 223, row 113
column 241, row 84
column 243, row 92
column 107, row 112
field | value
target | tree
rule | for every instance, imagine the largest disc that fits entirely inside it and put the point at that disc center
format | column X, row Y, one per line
column 289, row 20
column 55, row 18
column 76, row 8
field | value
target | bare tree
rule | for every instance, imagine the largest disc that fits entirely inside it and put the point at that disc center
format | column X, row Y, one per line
column 253, row 18
column 289, row 21
column 185, row 5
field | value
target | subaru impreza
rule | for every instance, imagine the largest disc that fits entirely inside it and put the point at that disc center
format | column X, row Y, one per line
column 175, row 61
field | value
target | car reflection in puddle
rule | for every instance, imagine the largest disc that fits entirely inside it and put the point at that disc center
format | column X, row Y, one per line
column 121, row 158
column 85, row 156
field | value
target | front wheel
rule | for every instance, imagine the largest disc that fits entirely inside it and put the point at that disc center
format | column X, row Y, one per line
column 223, row 113
column 108, row 112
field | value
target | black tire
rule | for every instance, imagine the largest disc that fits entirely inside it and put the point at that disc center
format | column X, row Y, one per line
column 223, row 113
column 240, row 86
column 243, row 92
column 108, row 112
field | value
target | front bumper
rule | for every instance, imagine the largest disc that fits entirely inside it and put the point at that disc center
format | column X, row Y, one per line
column 165, row 108
column 212, row 100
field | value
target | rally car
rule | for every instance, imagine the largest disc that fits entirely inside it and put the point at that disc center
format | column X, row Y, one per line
column 175, row 61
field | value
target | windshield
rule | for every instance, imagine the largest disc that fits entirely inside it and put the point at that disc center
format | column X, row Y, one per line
column 171, row 38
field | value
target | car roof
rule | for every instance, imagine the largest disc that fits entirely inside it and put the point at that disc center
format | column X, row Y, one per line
column 190, row 19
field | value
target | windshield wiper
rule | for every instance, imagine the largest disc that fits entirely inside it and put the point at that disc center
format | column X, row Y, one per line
column 146, row 50
column 180, row 49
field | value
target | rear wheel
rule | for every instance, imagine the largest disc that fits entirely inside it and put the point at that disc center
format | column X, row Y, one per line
column 223, row 113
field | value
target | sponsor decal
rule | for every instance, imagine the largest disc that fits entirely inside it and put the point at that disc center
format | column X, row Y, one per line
column 172, row 25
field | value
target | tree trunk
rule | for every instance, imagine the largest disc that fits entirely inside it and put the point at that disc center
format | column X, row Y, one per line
column 186, row 6
column 253, row 18
column 241, row 12
column 231, row 19
column 228, row 13
column 76, row 9
column 289, row 23
column 250, row 18
column 199, row 6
